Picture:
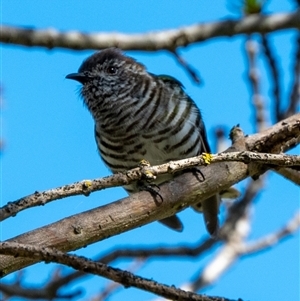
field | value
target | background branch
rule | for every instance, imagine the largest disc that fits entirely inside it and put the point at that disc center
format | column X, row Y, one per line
column 168, row 39
column 274, row 71
column 125, row 278
column 268, row 241
column 253, row 74
column 295, row 90
column 290, row 174
column 234, row 232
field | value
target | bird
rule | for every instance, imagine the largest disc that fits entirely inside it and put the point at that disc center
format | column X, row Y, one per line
column 142, row 116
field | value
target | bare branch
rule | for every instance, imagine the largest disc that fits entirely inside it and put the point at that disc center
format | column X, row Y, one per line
column 139, row 209
column 295, row 91
column 158, row 251
column 253, row 74
column 80, row 263
column 113, row 286
column 142, row 253
column 16, row 290
column 274, row 76
column 234, row 232
column 168, row 39
column 41, row 198
column 268, row 241
column 290, row 174
column 271, row 140
column 191, row 71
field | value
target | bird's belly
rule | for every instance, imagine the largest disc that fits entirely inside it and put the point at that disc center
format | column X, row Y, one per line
column 155, row 150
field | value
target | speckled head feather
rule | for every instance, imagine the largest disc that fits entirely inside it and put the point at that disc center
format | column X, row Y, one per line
column 110, row 54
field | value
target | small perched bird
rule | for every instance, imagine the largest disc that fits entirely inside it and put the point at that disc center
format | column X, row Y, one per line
column 139, row 115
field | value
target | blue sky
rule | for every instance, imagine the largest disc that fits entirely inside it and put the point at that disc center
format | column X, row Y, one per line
column 48, row 136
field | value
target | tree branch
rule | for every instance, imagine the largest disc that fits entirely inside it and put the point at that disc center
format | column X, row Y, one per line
column 234, row 232
column 81, row 263
column 88, row 186
column 288, row 131
column 194, row 74
column 295, row 90
column 139, row 209
column 290, row 174
column 151, row 41
column 45, row 293
column 253, row 74
column 270, row 240
column 274, row 72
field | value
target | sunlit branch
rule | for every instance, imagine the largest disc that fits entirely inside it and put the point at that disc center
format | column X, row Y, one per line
column 88, row 186
column 141, row 208
column 151, row 41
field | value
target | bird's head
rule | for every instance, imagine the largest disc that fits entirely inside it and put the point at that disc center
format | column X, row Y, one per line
column 108, row 76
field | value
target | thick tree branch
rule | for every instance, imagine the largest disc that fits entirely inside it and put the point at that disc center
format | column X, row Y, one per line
column 279, row 138
column 139, row 209
column 168, row 39
column 287, row 131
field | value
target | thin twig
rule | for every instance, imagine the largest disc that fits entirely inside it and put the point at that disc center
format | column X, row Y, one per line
column 253, row 75
column 190, row 70
column 275, row 77
column 88, row 186
column 295, row 91
column 150, row 252
column 46, row 293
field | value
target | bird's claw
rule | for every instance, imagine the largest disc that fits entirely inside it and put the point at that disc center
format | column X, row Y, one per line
column 152, row 188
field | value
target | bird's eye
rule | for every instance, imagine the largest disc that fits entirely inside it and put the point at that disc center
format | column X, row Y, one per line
column 111, row 70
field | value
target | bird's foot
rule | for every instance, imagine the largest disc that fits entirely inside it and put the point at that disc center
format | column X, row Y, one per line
column 152, row 188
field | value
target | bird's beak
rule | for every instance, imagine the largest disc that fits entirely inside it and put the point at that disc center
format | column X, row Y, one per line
column 80, row 77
